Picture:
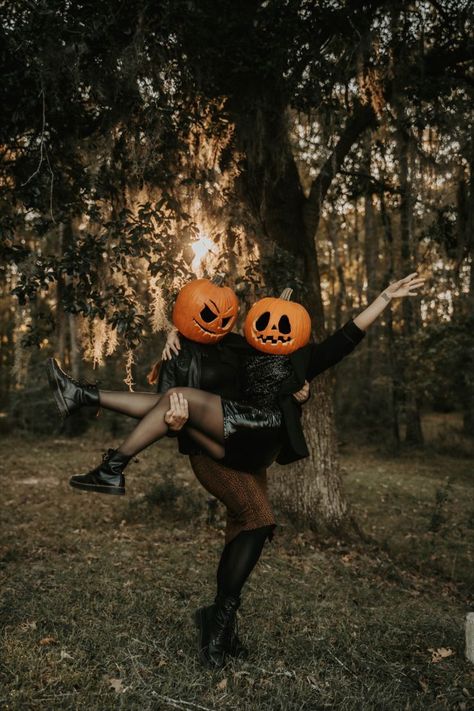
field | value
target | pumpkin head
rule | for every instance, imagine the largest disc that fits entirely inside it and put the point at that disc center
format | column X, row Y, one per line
column 278, row 326
column 204, row 311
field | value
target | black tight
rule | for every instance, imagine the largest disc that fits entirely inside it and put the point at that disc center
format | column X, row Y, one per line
column 133, row 404
column 239, row 558
column 205, row 423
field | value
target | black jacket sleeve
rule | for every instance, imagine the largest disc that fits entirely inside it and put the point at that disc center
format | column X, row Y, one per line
column 333, row 349
column 168, row 376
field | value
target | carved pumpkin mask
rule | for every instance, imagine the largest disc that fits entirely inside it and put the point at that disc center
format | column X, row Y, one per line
column 277, row 326
column 204, row 311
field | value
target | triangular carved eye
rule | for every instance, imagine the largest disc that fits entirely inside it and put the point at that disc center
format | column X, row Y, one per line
column 284, row 324
column 207, row 315
column 262, row 321
column 225, row 321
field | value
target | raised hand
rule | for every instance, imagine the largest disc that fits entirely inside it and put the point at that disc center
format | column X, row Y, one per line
column 172, row 345
column 405, row 287
column 408, row 286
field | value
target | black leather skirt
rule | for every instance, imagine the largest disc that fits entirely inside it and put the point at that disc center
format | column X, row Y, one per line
column 252, row 435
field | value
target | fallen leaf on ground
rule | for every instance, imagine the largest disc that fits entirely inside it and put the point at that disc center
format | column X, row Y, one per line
column 117, row 685
column 441, row 653
column 222, row 685
column 424, row 684
column 25, row 626
column 47, row 640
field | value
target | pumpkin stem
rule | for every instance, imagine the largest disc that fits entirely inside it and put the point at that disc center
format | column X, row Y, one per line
column 218, row 279
column 286, row 294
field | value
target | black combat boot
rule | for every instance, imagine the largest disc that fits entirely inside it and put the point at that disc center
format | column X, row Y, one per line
column 234, row 646
column 215, row 625
column 107, row 478
column 70, row 394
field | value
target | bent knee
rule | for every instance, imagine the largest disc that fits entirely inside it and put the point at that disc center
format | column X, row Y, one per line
column 176, row 390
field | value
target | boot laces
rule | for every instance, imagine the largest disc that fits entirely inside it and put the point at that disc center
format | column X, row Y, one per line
column 82, row 383
column 225, row 623
column 107, row 455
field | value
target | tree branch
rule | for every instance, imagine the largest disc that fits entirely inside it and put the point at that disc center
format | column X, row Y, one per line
column 363, row 117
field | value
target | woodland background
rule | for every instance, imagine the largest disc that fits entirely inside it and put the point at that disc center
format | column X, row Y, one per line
column 327, row 146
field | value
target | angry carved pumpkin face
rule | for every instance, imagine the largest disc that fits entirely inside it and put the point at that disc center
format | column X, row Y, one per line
column 204, row 311
column 278, row 326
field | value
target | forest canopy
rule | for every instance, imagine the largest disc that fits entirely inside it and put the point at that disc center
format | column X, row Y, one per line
column 326, row 146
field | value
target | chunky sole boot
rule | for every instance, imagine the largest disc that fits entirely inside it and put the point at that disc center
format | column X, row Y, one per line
column 76, row 483
column 214, row 625
column 107, row 478
column 70, row 394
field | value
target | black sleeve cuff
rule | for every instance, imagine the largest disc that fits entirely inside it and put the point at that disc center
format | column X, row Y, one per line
column 172, row 433
column 352, row 332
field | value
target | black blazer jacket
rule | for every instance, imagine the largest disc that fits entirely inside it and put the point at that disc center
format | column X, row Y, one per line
column 307, row 363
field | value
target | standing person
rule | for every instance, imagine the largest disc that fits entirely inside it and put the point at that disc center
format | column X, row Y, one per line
column 249, row 515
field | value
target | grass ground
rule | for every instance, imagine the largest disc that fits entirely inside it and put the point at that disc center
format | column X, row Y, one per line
column 98, row 592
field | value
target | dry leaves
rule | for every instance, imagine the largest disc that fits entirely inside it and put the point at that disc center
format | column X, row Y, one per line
column 47, row 641
column 116, row 685
column 222, row 685
column 28, row 625
column 437, row 655
column 423, row 683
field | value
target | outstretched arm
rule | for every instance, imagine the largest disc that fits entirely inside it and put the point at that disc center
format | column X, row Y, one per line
column 403, row 287
column 334, row 348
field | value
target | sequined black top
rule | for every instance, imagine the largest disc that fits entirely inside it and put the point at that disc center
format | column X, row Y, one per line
column 261, row 377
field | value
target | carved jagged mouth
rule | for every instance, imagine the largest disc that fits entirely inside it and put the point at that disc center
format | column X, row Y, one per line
column 274, row 340
column 210, row 333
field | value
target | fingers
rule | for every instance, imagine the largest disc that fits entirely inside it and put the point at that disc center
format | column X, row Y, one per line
column 407, row 278
column 171, row 347
column 177, row 415
column 302, row 394
column 179, row 405
column 182, row 406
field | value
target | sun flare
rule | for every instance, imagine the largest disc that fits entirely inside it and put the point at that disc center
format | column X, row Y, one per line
column 203, row 248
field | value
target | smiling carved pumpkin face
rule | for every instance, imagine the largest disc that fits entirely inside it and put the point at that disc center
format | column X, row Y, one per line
column 204, row 311
column 277, row 326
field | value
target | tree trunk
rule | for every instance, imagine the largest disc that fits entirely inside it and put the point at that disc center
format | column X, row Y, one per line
column 310, row 491
column 413, row 433
column 394, row 402
column 370, row 258
column 61, row 320
column 340, row 296
column 468, row 390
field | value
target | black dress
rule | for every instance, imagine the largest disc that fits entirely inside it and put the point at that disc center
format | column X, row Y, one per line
column 210, row 368
column 253, row 423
